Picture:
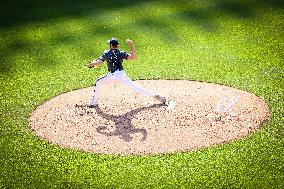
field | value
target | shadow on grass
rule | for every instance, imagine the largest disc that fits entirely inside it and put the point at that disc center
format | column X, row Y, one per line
column 15, row 12
column 159, row 28
column 204, row 18
column 22, row 12
column 276, row 4
column 8, row 55
column 236, row 8
column 201, row 19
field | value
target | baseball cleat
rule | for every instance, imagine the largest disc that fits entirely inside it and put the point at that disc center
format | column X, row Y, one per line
column 93, row 103
column 92, row 106
column 171, row 105
column 160, row 98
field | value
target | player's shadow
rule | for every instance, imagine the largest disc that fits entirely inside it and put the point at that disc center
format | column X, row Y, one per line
column 123, row 125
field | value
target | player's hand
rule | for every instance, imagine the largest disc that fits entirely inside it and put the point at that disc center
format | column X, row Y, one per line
column 129, row 42
column 89, row 66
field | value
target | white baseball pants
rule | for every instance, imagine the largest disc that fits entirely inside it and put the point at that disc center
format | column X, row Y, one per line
column 121, row 77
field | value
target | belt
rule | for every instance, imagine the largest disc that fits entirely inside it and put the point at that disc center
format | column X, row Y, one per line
column 116, row 70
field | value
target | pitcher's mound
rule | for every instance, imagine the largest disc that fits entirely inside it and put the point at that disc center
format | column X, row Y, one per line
column 128, row 123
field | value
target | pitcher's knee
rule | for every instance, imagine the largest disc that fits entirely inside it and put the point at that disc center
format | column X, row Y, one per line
column 98, row 82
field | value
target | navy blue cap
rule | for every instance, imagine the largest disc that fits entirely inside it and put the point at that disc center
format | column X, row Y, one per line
column 113, row 42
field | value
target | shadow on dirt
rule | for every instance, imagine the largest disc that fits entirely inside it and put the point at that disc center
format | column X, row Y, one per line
column 123, row 125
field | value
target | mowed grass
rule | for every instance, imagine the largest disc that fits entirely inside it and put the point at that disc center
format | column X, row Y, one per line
column 45, row 46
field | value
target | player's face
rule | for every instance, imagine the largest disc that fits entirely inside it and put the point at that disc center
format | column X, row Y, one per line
column 113, row 47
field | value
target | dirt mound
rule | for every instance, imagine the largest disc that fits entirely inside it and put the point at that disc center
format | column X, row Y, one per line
column 128, row 123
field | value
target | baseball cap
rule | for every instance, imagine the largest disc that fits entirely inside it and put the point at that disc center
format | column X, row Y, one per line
column 113, row 42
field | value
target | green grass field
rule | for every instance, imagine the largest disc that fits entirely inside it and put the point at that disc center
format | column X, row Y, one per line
column 45, row 46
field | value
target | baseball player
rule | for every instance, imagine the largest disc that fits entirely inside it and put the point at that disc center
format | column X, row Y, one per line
column 114, row 58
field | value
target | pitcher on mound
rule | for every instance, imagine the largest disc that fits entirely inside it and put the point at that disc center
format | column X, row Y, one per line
column 114, row 58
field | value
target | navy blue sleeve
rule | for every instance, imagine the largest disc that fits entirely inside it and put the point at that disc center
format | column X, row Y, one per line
column 123, row 55
column 103, row 57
